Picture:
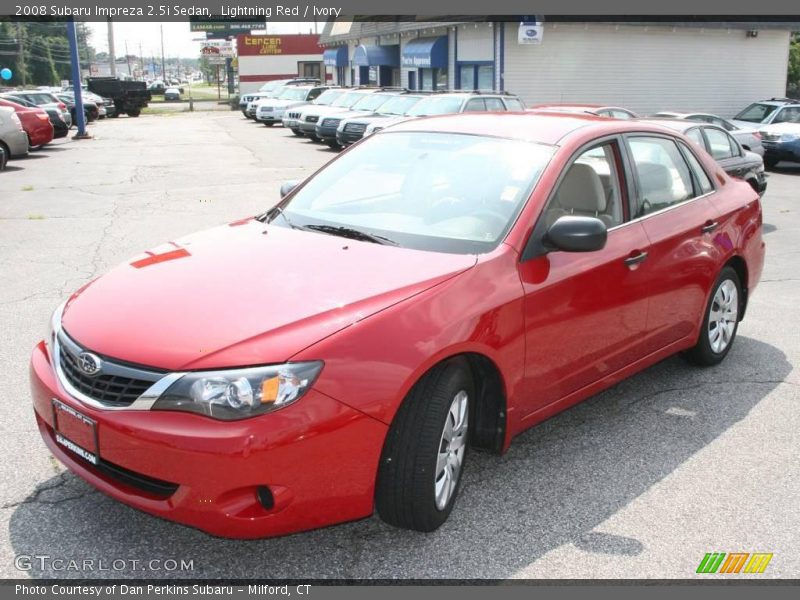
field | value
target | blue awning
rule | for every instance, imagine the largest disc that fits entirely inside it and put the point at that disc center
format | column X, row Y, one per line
column 426, row 53
column 335, row 57
column 382, row 56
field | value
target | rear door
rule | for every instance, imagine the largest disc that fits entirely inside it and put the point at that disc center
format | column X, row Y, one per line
column 672, row 201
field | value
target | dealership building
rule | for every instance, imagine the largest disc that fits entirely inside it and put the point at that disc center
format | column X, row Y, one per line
column 710, row 66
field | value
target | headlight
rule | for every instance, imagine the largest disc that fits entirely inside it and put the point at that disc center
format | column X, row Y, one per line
column 234, row 394
column 54, row 326
column 790, row 137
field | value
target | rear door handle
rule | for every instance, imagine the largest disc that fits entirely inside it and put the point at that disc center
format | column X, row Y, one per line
column 632, row 261
column 709, row 226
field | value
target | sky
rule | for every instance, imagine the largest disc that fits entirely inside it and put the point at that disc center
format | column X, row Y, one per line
column 179, row 42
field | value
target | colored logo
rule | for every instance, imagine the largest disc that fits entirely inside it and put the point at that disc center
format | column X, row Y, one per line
column 734, row 562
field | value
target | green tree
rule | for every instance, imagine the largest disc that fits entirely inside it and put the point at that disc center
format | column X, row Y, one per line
column 793, row 75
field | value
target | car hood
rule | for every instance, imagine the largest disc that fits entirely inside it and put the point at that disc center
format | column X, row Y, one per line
column 747, row 124
column 780, row 128
column 245, row 294
column 283, row 103
column 352, row 114
column 324, row 110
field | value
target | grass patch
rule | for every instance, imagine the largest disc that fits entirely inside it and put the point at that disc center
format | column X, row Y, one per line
column 27, row 188
column 36, row 217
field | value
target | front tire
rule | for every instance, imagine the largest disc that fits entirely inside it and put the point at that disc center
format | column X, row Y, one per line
column 770, row 163
column 425, row 450
column 721, row 321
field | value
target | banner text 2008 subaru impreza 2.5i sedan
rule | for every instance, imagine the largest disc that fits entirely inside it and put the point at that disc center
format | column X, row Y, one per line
column 442, row 285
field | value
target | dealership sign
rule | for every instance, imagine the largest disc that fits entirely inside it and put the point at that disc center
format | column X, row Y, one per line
column 271, row 45
column 222, row 48
column 530, row 32
column 224, row 28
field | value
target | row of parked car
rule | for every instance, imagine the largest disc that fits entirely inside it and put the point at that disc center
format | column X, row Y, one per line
column 30, row 119
column 764, row 133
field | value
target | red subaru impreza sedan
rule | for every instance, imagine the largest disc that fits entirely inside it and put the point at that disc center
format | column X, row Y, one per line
column 442, row 285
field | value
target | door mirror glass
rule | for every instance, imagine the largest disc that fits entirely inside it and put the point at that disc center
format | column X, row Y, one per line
column 577, row 234
column 288, row 186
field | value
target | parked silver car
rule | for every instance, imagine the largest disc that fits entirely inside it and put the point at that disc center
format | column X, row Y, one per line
column 749, row 138
column 12, row 136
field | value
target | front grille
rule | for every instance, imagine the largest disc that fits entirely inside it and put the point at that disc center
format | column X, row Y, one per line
column 312, row 119
column 266, row 109
column 355, row 128
column 294, row 115
column 116, row 385
column 331, row 122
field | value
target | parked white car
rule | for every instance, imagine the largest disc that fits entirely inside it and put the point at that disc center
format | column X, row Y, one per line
column 291, row 116
column 271, row 110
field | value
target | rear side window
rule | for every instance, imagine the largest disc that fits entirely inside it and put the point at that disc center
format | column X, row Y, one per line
column 475, row 105
column 494, row 104
column 697, row 137
column 719, row 146
column 698, row 171
column 621, row 114
column 514, row 104
column 662, row 174
column 788, row 115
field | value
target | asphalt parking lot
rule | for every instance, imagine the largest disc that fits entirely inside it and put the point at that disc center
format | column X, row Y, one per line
column 638, row 482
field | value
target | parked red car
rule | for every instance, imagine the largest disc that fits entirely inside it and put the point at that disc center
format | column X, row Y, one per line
column 35, row 121
column 444, row 284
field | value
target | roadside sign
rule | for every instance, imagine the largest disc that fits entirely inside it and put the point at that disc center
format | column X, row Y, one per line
column 216, row 59
column 218, row 47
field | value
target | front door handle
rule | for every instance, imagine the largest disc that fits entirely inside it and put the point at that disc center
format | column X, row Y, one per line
column 636, row 259
column 709, row 226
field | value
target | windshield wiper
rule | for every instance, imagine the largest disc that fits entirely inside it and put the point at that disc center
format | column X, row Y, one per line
column 350, row 233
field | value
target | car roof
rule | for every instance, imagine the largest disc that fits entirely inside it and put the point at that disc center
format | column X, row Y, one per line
column 681, row 125
column 542, row 127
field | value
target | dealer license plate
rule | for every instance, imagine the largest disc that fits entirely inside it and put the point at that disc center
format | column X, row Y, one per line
column 75, row 431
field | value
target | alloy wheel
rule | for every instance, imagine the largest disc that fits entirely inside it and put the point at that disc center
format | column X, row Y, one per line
column 452, row 447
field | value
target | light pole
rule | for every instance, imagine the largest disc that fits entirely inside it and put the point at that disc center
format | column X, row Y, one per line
column 76, row 81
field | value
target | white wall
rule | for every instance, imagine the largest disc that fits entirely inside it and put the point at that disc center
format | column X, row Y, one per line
column 647, row 69
column 269, row 66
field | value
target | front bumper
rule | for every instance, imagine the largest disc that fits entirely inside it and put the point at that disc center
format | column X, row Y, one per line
column 345, row 138
column 308, row 128
column 326, row 133
column 789, row 151
column 275, row 116
column 319, row 458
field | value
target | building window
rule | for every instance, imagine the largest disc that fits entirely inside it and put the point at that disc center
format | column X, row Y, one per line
column 476, row 76
column 309, row 69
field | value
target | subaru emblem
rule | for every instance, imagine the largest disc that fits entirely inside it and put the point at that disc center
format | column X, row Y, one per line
column 89, row 364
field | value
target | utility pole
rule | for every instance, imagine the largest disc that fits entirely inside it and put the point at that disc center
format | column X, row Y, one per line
column 128, row 59
column 76, row 80
column 23, row 71
column 141, row 61
column 163, row 65
column 112, row 59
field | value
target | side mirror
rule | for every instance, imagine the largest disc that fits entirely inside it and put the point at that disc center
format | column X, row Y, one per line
column 288, row 186
column 577, row 234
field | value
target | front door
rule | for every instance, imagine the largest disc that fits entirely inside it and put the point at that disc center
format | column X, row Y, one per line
column 586, row 313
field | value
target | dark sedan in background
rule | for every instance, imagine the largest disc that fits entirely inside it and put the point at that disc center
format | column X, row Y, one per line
column 724, row 148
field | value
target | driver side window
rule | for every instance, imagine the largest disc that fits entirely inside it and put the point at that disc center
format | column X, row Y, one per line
column 591, row 187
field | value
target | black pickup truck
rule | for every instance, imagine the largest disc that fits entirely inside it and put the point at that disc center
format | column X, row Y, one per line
column 129, row 97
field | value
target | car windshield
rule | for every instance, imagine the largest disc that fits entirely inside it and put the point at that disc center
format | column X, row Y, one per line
column 441, row 105
column 293, row 94
column 444, row 192
column 399, row 105
column 347, row 100
column 327, row 97
column 756, row 113
column 372, row 102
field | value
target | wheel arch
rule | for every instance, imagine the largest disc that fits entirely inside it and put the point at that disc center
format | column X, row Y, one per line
column 738, row 264
column 489, row 412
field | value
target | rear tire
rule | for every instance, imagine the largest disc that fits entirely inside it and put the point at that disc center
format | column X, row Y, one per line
column 721, row 321
column 134, row 113
column 770, row 163
column 268, row 124
column 425, row 450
